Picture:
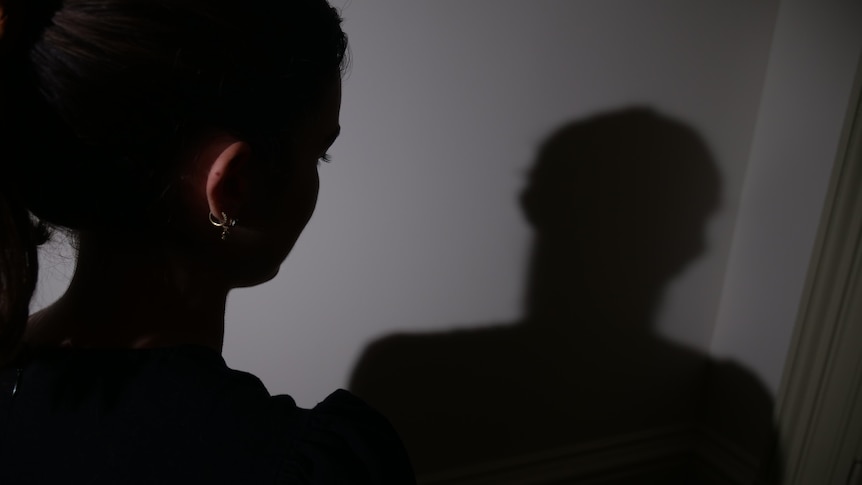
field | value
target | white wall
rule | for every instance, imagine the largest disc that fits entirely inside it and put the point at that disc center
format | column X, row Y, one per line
column 806, row 96
column 418, row 225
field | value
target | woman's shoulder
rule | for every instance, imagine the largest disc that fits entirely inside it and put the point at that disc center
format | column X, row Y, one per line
column 343, row 440
column 197, row 417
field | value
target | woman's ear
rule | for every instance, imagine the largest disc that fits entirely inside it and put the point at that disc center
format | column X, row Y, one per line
column 227, row 179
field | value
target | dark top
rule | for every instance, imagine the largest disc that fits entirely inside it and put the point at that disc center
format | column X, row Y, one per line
column 180, row 416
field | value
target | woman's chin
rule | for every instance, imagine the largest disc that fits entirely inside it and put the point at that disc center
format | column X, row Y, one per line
column 258, row 278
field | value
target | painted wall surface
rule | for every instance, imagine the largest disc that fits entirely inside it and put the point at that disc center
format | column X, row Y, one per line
column 806, row 96
column 419, row 226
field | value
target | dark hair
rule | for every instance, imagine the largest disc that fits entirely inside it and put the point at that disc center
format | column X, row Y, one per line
column 98, row 96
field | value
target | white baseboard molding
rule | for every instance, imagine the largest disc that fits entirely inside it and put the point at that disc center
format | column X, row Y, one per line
column 718, row 461
column 705, row 458
column 606, row 461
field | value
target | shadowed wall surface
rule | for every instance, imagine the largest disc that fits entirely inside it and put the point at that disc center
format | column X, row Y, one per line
column 619, row 203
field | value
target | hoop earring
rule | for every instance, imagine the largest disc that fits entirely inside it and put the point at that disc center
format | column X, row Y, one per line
column 224, row 224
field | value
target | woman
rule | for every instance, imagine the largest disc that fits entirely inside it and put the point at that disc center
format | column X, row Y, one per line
column 177, row 141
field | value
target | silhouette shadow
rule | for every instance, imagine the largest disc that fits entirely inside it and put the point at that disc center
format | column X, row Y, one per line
column 619, row 204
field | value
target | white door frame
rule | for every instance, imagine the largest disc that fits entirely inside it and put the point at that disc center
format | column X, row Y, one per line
column 819, row 410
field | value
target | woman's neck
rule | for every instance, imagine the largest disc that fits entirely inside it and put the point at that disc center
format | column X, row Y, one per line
column 134, row 296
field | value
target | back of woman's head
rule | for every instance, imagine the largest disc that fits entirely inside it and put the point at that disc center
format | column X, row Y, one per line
column 97, row 98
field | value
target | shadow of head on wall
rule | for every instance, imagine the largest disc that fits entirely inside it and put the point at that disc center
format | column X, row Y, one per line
column 619, row 203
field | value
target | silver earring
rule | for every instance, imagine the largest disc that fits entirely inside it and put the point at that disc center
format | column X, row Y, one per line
column 225, row 223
